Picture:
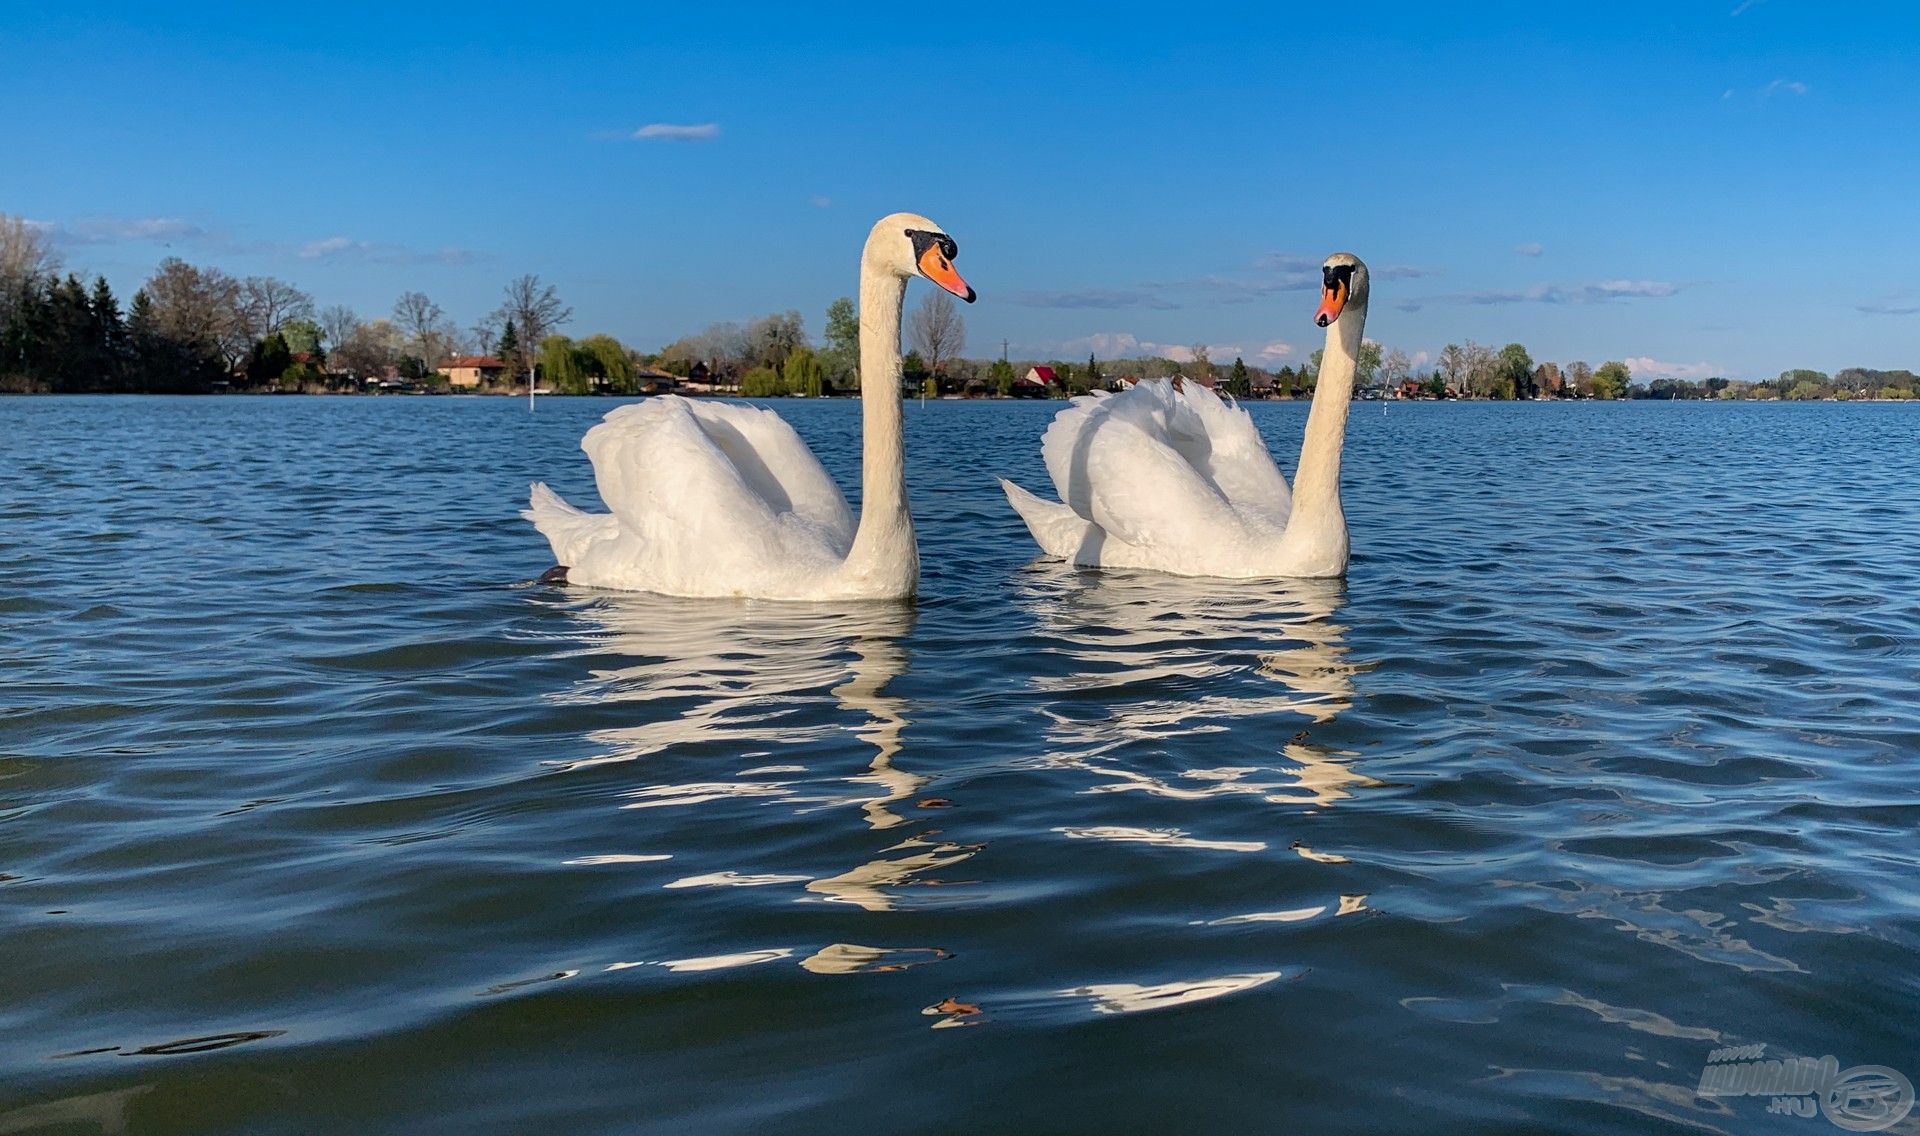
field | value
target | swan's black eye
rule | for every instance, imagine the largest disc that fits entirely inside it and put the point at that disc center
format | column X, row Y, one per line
column 924, row 240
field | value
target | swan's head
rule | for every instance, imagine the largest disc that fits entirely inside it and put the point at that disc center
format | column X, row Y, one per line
column 1343, row 285
column 907, row 244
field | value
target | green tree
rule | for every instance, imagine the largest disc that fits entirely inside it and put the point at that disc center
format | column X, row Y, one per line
column 606, row 359
column 1094, row 377
column 803, row 374
column 912, row 370
column 840, row 356
column 1515, row 373
column 111, row 331
column 302, row 336
column 1611, row 380
column 762, row 382
column 1239, row 380
column 508, row 350
column 1367, row 365
column 560, row 366
column 269, row 359
column 1001, row 376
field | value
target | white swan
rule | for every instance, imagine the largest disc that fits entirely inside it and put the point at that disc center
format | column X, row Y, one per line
column 717, row 499
column 1172, row 479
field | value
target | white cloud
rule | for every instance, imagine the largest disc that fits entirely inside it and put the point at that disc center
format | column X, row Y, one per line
column 820, row 200
column 1647, row 368
column 314, row 250
column 1745, row 4
column 1531, row 248
column 1119, row 345
column 675, row 132
column 1783, row 86
column 1903, row 303
column 347, row 249
column 1278, row 349
column 1092, row 298
column 1598, row 292
column 125, row 230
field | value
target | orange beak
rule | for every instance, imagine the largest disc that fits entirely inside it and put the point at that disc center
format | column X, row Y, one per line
column 935, row 266
column 1333, row 300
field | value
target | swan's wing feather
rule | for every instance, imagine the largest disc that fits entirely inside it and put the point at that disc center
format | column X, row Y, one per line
column 1115, row 464
column 692, row 509
column 1224, row 446
column 776, row 463
column 1058, row 530
column 569, row 531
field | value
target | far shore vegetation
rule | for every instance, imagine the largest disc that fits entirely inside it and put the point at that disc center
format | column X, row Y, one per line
column 191, row 329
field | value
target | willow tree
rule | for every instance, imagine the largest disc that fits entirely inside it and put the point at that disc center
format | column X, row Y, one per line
column 803, row 374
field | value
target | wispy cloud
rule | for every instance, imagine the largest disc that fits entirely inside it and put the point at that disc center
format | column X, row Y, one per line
column 170, row 232
column 1298, row 271
column 128, row 230
column 1115, row 345
column 1531, row 248
column 820, row 201
column 1126, row 345
column 349, row 250
column 678, row 132
column 1094, row 298
column 1599, row 292
column 1271, row 274
column 1745, row 4
column 1766, row 94
column 1898, row 304
column 1644, row 367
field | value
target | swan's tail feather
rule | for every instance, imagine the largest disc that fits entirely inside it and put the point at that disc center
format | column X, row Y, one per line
column 1058, row 530
column 568, row 530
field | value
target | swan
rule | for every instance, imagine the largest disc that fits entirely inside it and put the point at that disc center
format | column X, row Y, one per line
column 719, row 499
column 1170, row 478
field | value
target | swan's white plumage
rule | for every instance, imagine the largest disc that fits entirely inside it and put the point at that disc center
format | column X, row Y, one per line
column 1166, row 476
column 706, row 499
column 719, row 499
column 1157, row 476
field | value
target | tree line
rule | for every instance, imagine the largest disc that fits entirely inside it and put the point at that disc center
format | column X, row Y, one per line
column 191, row 329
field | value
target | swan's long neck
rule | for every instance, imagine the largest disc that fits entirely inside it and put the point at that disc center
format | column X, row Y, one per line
column 884, row 554
column 1316, row 517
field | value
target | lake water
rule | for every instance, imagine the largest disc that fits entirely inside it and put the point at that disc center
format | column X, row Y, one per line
column 318, row 816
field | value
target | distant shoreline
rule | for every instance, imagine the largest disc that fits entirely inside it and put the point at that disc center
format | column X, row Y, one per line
column 854, row 397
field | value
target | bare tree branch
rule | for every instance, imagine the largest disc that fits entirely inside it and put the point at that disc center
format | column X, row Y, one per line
column 937, row 330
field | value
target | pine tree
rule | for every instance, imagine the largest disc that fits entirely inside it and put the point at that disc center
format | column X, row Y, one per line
column 111, row 334
column 509, row 350
column 1239, row 382
column 1093, row 374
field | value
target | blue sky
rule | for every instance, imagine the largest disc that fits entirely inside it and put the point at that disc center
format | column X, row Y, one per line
column 1701, row 187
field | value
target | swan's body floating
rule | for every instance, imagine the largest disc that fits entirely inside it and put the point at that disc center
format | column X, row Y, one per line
column 718, row 499
column 1171, row 478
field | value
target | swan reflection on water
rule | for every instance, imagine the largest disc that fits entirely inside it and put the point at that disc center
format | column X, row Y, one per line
column 748, row 681
column 1141, row 659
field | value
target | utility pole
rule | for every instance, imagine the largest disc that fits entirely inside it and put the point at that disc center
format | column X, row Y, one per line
column 1003, row 351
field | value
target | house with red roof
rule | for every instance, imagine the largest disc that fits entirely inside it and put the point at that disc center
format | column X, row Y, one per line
column 470, row 371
